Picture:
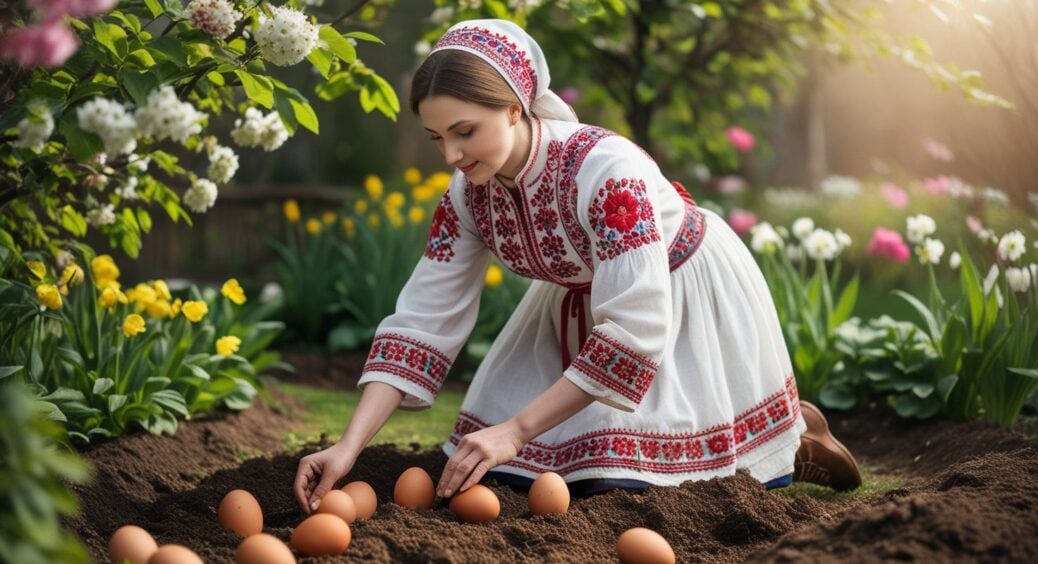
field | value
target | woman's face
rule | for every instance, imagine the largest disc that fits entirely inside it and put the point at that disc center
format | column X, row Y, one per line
column 479, row 141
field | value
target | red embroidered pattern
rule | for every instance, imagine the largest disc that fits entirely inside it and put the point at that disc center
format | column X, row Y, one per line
column 410, row 359
column 688, row 238
column 615, row 366
column 505, row 55
column 569, row 162
column 621, row 216
column 668, row 453
column 444, row 231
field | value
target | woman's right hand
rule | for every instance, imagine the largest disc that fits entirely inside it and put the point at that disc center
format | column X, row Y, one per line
column 318, row 473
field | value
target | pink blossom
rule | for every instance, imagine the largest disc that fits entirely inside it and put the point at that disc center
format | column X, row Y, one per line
column 973, row 224
column 50, row 44
column 570, row 95
column 741, row 221
column 938, row 150
column 731, row 185
column 937, row 185
column 75, row 8
column 741, row 139
column 888, row 243
column 894, row 194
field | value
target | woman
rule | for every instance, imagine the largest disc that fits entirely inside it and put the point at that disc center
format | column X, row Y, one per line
column 647, row 351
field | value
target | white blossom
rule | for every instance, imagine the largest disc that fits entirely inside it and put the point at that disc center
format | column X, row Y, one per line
column 795, row 253
column 101, row 216
column 223, row 163
column 523, row 5
column 840, row 187
column 803, row 227
column 441, row 15
column 1019, row 278
column 790, row 197
column 128, row 190
column 110, row 120
column 995, row 196
column 989, row 280
column 201, row 195
column 164, row 115
column 258, row 130
column 919, row 226
column 987, row 236
column 35, row 129
column 287, row 37
column 959, row 189
column 765, row 239
column 842, row 239
column 138, row 164
column 821, row 245
column 315, row 3
column 930, row 251
column 271, row 292
column 1012, row 246
column 702, row 173
column 1033, row 198
column 215, row 17
column 422, row 49
column 730, row 185
column 955, row 260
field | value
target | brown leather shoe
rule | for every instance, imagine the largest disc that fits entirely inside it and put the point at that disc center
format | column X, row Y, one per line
column 821, row 459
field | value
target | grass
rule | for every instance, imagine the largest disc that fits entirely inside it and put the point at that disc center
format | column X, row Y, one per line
column 871, row 484
column 328, row 412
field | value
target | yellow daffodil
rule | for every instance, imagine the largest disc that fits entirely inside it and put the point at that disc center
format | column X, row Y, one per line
column 348, row 226
column 395, row 200
column 159, row 309
column 38, row 270
column 374, row 220
column 395, row 219
column 422, row 193
column 49, row 296
column 291, row 209
column 134, row 325
column 412, row 176
column 142, row 293
column 416, row 214
column 313, row 226
column 174, row 308
column 194, row 310
column 374, row 187
column 161, row 290
column 328, row 218
column 360, row 206
column 439, row 181
column 226, row 346
column 233, row 291
column 494, row 276
column 72, row 276
column 111, row 295
column 104, row 270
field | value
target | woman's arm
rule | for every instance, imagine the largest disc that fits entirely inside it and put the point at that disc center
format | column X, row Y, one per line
column 482, row 450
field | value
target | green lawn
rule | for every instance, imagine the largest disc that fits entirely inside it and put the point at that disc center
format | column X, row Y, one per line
column 328, row 411
column 870, row 484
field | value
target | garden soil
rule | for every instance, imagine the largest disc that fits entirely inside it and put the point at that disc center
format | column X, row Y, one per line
column 970, row 493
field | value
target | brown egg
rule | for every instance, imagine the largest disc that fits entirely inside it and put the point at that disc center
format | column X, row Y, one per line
column 414, row 489
column 549, row 494
column 642, row 546
column 321, row 534
column 131, row 543
column 241, row 513
column 364, row 498
column 476, row 504
column 338, row 502
column 174, row 554
column 263, row 549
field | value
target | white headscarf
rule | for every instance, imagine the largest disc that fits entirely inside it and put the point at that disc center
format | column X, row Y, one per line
column 516, row 57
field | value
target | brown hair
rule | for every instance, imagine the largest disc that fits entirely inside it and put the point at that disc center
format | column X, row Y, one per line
column 465, row 76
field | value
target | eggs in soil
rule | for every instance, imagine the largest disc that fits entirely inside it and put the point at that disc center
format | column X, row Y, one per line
column 476, row 504
column 240, row 512
column 364, row 498
column 131, row 543
column 548, row 494
column 643, row 546
column 414, row 489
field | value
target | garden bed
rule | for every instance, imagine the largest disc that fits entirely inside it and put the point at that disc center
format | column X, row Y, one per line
column 968, row 491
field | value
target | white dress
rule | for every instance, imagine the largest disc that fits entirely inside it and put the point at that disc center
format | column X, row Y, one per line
column 678, row 339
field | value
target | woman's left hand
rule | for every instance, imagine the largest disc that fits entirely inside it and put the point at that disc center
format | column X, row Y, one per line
column 477, row 453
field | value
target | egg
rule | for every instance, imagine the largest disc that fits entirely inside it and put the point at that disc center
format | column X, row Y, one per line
column 338, row 502
column 476, row 504
column 548, row 494
column 241, row 513
column 321, row 534
column 643, row 546
column 364, row 498
column 174, row 554
column 131, row 543
column 263, row 549
column 414, row 489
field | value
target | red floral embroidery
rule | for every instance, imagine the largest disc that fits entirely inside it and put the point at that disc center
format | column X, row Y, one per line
column 443, row 232
column 507, row 57
column 614, row 366
column 621, row 216
column 410, row 359
column 700, row 451
column 688, row 238
column 568, row 162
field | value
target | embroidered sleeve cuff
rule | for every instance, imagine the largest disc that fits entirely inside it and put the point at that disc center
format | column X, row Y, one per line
column 612, row 373
column 415, row 368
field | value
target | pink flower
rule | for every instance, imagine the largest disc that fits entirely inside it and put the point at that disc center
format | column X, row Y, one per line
column 888, row 243
column 50, row 44
column 741, row 220
column 741, row 139
column 75, row 8
column 570, row 95
column 973, row 224
column 938, row 150
column 894, row 194
column 731, row 185
column 937, row 185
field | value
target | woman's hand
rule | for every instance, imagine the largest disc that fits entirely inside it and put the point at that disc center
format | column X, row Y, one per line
column 318, row 473
column 477, row 453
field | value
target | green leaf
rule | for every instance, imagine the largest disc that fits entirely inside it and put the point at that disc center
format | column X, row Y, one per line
column 258, row 88
column 72, row 221
column 845, row 305
column 712, row 9
column 138, row 84
column 305, row 115
column 6, row 371
column 946, row 385
column 81, row 144
column 338, row 44
column 144, row 219
column 142, row 57
column 154, row 7
column 102, row 385
column 283, row 105
column 102, row 35
column 924, row 312
column 837, row 398
column 322, row 61
column 175, row 9
column 170, row 49
column 363, row 36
